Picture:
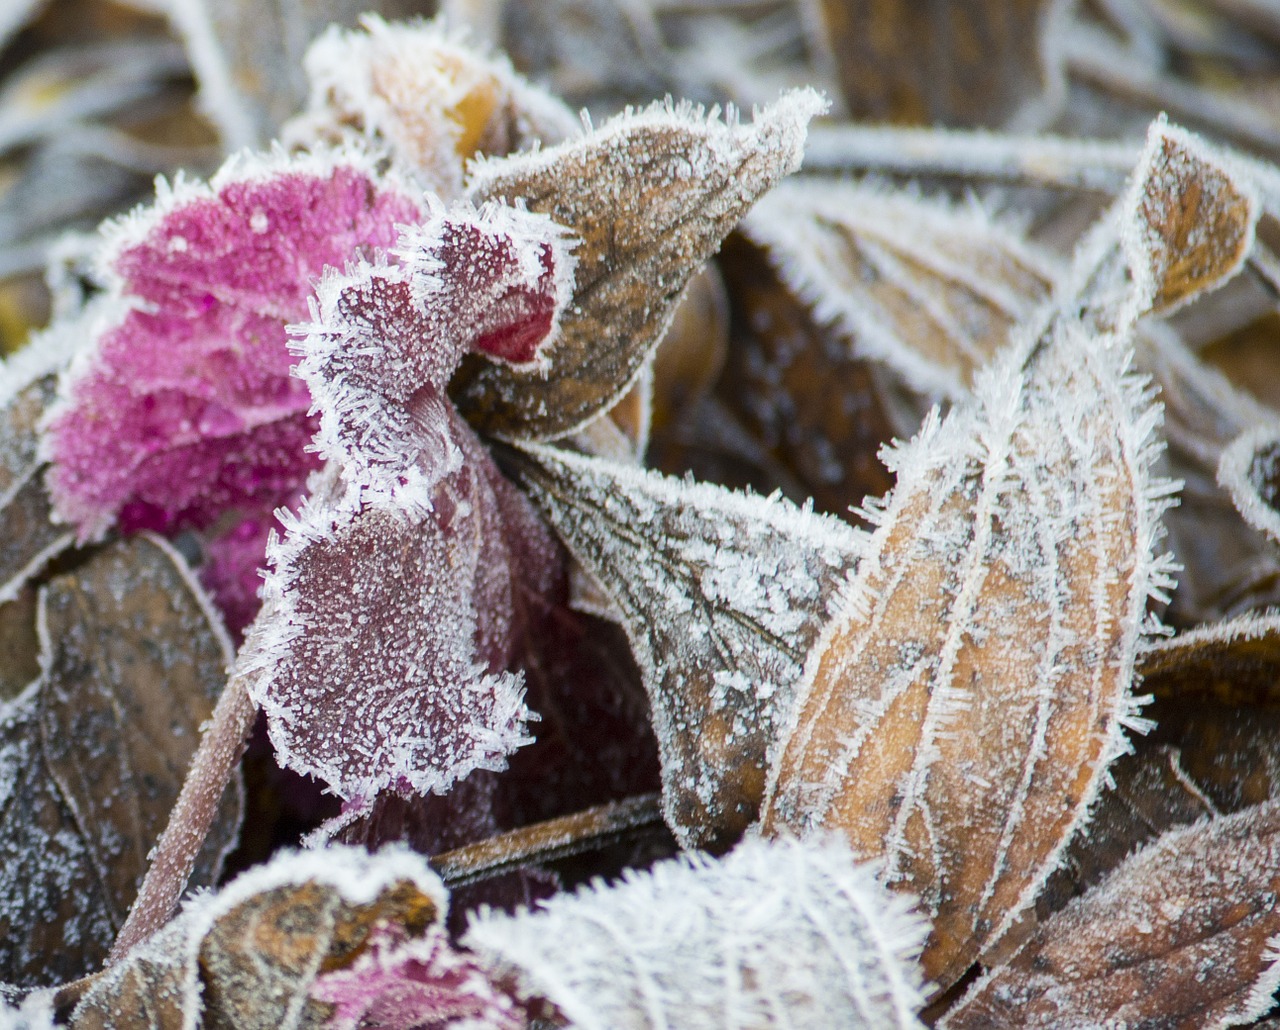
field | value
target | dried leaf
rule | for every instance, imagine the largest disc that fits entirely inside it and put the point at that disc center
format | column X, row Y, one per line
column 721, row 595
column 1181, row 935
column 650, row 195
column 1237, row 661
column 955, row 64
column 248, row 956
column 19, row 645
column 959, row 714
column 420, row 90
column 96, row 750
column 929, row 289
column 774, row 934
column 133, row 659
column 1190, row 219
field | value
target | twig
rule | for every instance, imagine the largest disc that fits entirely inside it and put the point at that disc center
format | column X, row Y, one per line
column 569, row 835
column 175, row 853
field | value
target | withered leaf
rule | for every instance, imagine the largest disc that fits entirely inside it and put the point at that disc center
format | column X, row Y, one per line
column 54, row 922
column 721, row 595
column 1178, row 936
column 1191, row 220
column 28, row 536
column 973, row 63
column 134, row 659
column 96, row 749
column 19, row 646
column 1249, row 470
column 247, row 957
column 1237, row 661
column 958, row 716
column 650, row 195
column 929, row 289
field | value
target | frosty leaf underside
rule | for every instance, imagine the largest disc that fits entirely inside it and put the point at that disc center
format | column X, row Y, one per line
column 650, row 195
column 721, row 595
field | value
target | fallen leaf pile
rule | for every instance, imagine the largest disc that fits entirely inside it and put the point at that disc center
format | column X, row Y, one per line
column 800, row 552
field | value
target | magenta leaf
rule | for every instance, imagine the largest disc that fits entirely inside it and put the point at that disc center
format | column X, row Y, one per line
column 423, row 984
column 380, row 655
column 387, row 339
column 182, row 405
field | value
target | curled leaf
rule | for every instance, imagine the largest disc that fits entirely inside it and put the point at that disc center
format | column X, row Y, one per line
column 1181, row 934
column 650, row 195
column 721, row 595
column 1249, row 470
column 774, row 934
column 249, row 955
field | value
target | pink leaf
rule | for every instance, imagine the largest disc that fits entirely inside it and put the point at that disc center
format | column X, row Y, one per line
column 423, row 984
column 183, row 404
column 379, row 659
column 387, row 339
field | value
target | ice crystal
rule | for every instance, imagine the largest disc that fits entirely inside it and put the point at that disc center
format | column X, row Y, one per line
column 775, row 934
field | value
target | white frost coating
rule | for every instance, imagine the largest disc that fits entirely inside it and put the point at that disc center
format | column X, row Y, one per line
column 720, row 594
column 364, row 657
column 780, row 127
column 49, row 351
column 776, row 934
column 1157, row 176
column 416, row 86
column 929, row 288
column 34, row 1012
column 1248, row 465
column 218, row 97
column 385, row 339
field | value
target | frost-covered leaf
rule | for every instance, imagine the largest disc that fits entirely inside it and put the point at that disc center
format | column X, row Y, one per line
column 183, row 405
column 1189, row 217
column 774, row 934
column 247, row 956
column 959, row 714
column 1182, row 934
column 95, row 751
column 432, row 99
column 133, row 661
column 1249, row 470
column 380, row 657
column 386, row 339
column 721, row 595
column 425, row 982
column 650, row 195
column 54, row 922
column 1231, row 659
column 929, row 289
column 28, row 382
column 982, row 62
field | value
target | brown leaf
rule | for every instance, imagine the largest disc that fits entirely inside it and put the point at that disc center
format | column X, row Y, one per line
column 928, row 289
column 132, row 659
column 691, row 356
column 1236, row 662
column 959, row 714
column 721, row 595
column 1192, row 217
column 28, row 537
column 19, row 646
column 1178, row 936
column 650, row 195
column 972, row 63
column 248, row 956
column 1249, row 470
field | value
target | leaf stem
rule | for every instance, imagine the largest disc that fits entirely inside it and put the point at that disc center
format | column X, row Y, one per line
column 175, row 853
column 547, row 841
